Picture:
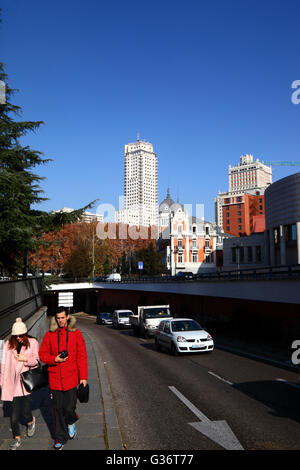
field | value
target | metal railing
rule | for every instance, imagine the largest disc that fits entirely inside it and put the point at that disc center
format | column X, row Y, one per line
column 265, row 273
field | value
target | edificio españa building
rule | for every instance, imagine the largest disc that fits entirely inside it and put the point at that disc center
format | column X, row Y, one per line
column 140, row 185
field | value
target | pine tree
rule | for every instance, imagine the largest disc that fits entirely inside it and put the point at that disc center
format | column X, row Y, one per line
column 21, row 226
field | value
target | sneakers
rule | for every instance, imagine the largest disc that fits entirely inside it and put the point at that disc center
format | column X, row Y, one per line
column 58, row 445
column 72, row 430
column 31, row 428
column 15, row 444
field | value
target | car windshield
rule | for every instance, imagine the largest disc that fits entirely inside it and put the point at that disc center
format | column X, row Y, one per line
column 106, row 315
column 157, row 312
column 185, row 325
column 124, row 314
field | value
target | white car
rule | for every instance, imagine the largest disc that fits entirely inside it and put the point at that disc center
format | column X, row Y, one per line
column 115, row 277
column 183, row 335
column 121, row 318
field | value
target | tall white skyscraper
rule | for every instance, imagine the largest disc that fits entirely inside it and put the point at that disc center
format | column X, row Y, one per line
column 140, row 185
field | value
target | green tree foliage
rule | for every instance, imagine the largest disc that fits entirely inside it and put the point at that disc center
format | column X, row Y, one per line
column 152, row 263
column 21, row 226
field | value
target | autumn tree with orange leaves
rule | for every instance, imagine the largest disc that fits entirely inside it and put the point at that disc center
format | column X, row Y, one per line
column 91, row 249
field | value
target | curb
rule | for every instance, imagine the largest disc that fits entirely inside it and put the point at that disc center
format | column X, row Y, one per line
column 114, row 438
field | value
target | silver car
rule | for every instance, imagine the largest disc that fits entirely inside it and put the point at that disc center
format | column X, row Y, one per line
column 183, row 335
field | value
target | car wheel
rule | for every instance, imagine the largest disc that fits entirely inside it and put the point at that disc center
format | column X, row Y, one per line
column 174, row 350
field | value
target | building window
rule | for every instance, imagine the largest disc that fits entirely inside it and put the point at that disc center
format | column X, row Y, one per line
column 195, row 260
column 179, row 228
column 194, row 243
column 258, row 253
column 228, row 228
column 249, row 254
column 276, row 236
column 179, row 258
column 233, row 255
column 291, row 233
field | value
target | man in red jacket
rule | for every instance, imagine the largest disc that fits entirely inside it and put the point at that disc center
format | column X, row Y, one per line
column 63, row 349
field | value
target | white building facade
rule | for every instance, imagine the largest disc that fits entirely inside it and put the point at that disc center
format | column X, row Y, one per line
column 187, row 243
column 140, row 185
column 86, row 217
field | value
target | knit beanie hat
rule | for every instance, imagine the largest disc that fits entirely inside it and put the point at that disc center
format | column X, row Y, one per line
column 19, row 328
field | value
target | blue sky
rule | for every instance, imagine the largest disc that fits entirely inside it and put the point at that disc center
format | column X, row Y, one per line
column 205, row 82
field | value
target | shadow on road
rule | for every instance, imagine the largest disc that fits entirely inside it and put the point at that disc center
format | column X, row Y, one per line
column 281, row 397
column 39, row 401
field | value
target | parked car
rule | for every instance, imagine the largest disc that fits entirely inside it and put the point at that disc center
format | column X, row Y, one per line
column 121, row 318
column 182, row 275
column 183, row 335
column 104, row 318
column 115, row 277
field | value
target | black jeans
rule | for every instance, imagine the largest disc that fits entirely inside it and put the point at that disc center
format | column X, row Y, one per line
column 20, row 407
column 63, row 405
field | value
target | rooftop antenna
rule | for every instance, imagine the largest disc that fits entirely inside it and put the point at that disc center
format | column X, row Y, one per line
column 138, row 137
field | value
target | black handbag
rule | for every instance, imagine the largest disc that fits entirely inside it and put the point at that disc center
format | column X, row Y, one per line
column 34, row 379
column 83, row 393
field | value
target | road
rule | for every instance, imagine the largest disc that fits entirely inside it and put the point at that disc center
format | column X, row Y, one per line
column 198, row 401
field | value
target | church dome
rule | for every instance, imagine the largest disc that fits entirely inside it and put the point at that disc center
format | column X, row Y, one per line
column 166, row 204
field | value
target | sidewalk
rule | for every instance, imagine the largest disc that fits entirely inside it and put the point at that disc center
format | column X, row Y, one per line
column 97, row 427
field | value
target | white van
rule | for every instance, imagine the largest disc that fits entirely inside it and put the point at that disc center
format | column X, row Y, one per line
column 115, row 277
column 121, row 318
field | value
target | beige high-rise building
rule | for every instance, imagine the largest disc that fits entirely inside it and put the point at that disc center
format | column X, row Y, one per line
column 140, row 185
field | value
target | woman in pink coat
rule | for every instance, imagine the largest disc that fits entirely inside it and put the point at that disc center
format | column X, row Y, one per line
column 20, row 353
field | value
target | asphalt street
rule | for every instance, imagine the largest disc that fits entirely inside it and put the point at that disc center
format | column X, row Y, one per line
column 210, row 401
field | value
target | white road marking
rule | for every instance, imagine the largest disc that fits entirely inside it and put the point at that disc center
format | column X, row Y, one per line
column 220, row 378
column 289, row 383
column 217, row 431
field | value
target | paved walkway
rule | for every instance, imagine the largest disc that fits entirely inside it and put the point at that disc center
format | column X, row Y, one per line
column 97, row 427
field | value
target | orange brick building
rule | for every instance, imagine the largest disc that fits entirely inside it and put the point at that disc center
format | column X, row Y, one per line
column 244, row 214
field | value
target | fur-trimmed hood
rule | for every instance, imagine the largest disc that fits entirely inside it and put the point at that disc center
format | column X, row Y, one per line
column 54, row 325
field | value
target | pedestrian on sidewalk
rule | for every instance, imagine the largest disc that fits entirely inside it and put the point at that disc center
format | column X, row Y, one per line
column 20, row 353
column 63, row 349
